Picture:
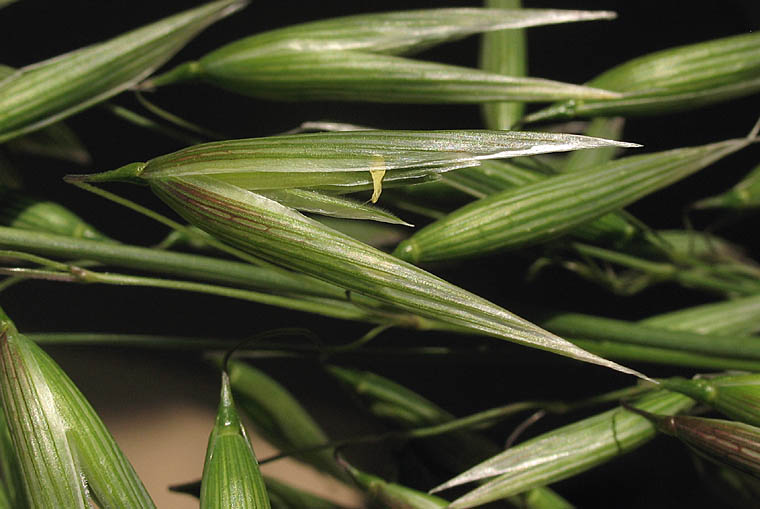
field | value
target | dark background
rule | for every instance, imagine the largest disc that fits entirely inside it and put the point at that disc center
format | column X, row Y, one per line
column 657, row 476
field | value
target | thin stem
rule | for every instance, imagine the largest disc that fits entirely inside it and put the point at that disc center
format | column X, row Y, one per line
column 332, row 308
column 476, row 420
column 166, row 262
column 169, row 222
column 71, row 273
column 366, row 338
column 147, row 123
column 178, row 121
column 667, row 271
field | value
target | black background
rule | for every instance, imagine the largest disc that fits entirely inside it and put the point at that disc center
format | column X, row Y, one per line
column 658, row 476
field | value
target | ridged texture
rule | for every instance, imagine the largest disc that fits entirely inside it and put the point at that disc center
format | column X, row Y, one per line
column 355, row 58
column 736, row 316
column 339, row 155
column 266, row 229
column 577, row 325
column 490, row 177
column 361, row 76
column 504, row 52
column 66, row 455
column 735, row 396
column 676, row 79
column 56, row 140
column 398, row 32
column 547, row 209
column 728, row 443
column 566, row 451
column 43, row 93
column 231, row 477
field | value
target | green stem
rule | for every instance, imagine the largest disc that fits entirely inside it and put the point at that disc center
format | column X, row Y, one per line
column 147, row 123
column 170, row 223
column 328, row 307
column 178, row 121
column 576, row 325
column 476, row 420
column 669, row 272
column 655, row 355
column 166, row 262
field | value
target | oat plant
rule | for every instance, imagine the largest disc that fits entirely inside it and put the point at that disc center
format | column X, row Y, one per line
column 454, row 256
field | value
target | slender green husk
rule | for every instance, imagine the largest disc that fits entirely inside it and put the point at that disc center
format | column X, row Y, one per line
column 735, row 396
column 193, row 182
column 397, row 33
column 544, row 210
column 566, row 451
column 355, row 58
column 455, row 450
column 676, row 79
column 735, row 317
column 284, row 496
column 658, row 355
column 18, row 210
column 601, row 329
column 48, row 91
column 613, row 227
column 280, row 418
column 56, row 140
column 504, row 52
column 66, row 455
column 744, row 195
column 492, row 177
column 371, row 77
column 739, row 316
column 345, row 159
column 231, row 476
column 271, row 231
column 393, row 495
column 729, row 443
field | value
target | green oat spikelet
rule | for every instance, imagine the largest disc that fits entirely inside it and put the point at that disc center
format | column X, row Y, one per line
column 231, row 477
column 357, row 58
column 67, row 457
column 43, row 93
